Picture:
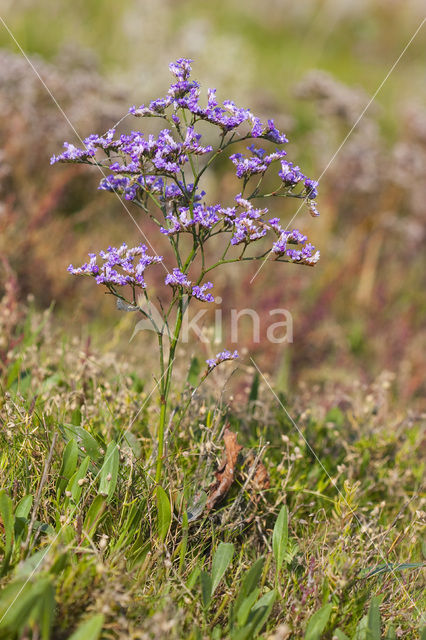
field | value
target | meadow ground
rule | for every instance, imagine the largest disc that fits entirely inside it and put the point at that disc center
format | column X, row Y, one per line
column 321, row 532
column 84, row 544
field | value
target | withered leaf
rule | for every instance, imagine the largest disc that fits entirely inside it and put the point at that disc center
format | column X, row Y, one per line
column 261, row 477
column 226, row 472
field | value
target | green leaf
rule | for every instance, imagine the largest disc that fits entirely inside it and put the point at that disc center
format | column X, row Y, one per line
column 109, row 471
column 340, row 635
column 22, row 511
column 85, row 440
column 73, row 485
column 387, row 568
column 318, row 622
column 44, row 611
column 260, row 612
column 23, row 507
column 390, row 634
column 164, row 513
column 6, row 513
column 373, row 620
column 90, row 629
column 280, row 537
column 19, row 600
column 249, row 582
column 31, row 564
column 93, row 515
column 131, row 444
column 221, row 561
column 361, row 632
column 69, row 465
column 206, row 589
column 245, row 607
column 193, row 577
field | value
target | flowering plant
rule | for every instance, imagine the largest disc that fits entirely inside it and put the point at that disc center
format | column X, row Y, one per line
column 161, row 175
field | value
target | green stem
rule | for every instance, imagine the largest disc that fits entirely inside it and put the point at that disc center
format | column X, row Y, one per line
column 165, row 393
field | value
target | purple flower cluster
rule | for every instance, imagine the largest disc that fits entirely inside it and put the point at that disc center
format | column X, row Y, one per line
column 221, row 357
column 142, row 164
column 142, row 167
column 201, row 292
column 248, row 226
column 142, row 157
column 292, row 176
column 257, row 163
column 91, row 144
column 179, row 279
column 185, row 94
column 120, row 266
column 306, row 255
column 183, row 220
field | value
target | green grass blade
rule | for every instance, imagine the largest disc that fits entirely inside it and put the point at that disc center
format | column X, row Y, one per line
column 44, row 612
column 93, row 515
column 20, row 601
column 8, row 519
column 164, row 513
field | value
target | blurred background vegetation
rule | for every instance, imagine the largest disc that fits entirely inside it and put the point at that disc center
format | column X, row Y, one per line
column 313, row 66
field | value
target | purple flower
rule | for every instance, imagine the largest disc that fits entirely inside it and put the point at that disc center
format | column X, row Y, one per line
column 73, row 154
column 247, row 230
column 257, row 164
column 311, row 188
column 200, row 292
column 142, row 165
column 130, row 270
column 290, row 174
column 272, row 134
column 181, row 68
column 221, row 357
column 177, row 279
column 306, row 255
column 257, row 128
column 249, row 225
column 204, row 217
